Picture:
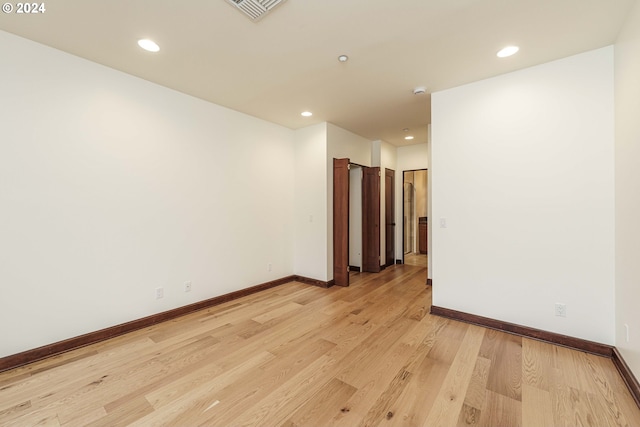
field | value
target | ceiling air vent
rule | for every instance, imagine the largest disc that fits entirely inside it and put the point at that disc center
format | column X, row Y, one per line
column 255, row 9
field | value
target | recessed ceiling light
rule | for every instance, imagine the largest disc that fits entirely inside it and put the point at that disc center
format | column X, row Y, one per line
column 408, row 137
column 343, row 58
column 507, row 51
column 306, row 114
column 148, row 45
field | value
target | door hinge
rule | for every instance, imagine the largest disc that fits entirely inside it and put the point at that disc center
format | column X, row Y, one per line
column 347, row 268
column 379, row 173
column 349, row 166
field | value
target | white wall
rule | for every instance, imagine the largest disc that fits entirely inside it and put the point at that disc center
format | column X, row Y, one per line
column 111, row 186
column 627, row 178
column 522, row 170
column 340, row 144
column 311, row 251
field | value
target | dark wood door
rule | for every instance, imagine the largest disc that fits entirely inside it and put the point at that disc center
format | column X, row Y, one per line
column 341, row 222
column 371, row 219
column 390, row 219
column 422, row 237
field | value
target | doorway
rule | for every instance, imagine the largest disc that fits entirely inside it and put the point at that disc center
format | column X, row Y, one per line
column 370, row 193
column 415, row 219
column 355, row 218
column 390, row 218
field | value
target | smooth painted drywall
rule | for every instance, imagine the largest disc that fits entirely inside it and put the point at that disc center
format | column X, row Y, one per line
column 522, row 171
column 311, row 202
column 111, row 186
column 627, row 179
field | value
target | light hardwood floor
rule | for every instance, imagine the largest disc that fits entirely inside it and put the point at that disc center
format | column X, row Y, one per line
column 413, row 258
column 297, row 355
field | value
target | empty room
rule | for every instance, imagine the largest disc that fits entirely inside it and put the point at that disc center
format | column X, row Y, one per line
column 309, row 213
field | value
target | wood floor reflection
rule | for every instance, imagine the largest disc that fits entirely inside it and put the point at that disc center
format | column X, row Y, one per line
column 416, row 259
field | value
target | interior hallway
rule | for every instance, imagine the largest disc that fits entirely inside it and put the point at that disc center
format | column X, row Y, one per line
column 300, row 355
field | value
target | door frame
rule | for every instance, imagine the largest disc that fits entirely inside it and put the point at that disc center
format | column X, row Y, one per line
column 428, row 220
column 389, row 217
column 370, row 220
column 341, row 169
column 371, row 178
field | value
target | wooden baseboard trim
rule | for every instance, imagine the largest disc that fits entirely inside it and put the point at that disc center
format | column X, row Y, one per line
column 429, row 282
column 29, row 356
column 314, row 282
column 525, row 331
column 354, row 268
column 632, row 382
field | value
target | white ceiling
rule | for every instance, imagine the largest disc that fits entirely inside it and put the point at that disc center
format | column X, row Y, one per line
column 287, row 62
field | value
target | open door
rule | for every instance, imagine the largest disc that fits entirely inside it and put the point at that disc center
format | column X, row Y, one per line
column 341, row 222
column 371, row 220
column 390, row 218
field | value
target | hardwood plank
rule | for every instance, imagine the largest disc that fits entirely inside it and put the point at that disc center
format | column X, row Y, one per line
column 500, row 410
column 250, row 388
column 450, row 399
column 125, row 414
column 418, row 397
column 537, row 409
column 277, row 406
column 273, row 314
column 537, row 362
column 469, row 416
column 505, row 352
column 382, row 408
column 177, row 397
column 478, row 384
column 324, row 405
column 51, row 421
column 19, row 408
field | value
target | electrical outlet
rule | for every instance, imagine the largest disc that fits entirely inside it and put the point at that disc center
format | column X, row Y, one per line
column 159, row 293
column 561, row 310
column 187, row 286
